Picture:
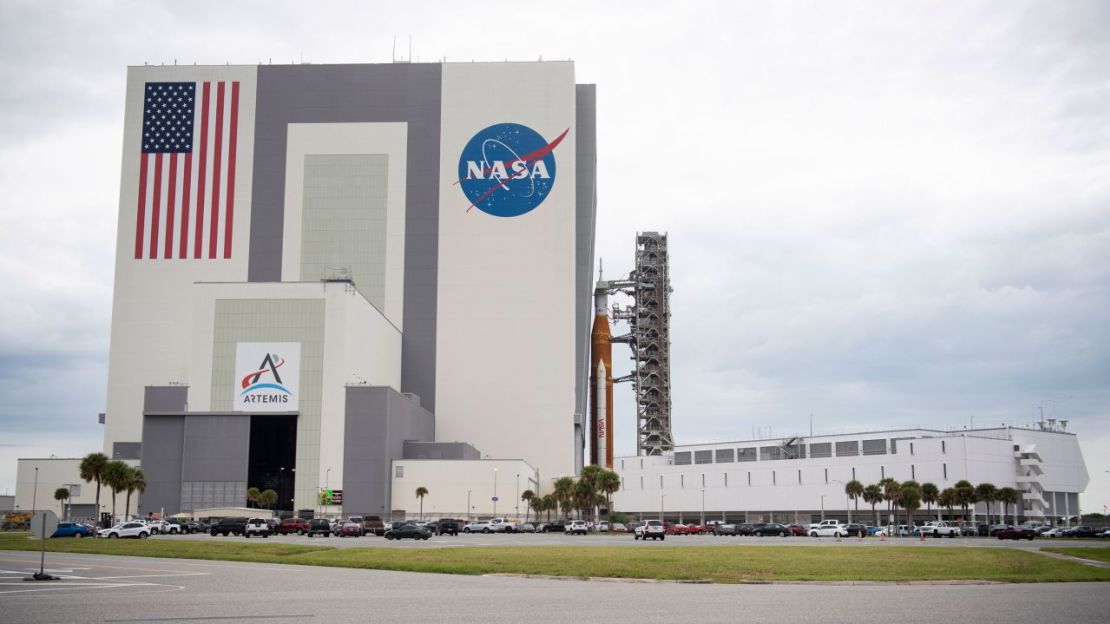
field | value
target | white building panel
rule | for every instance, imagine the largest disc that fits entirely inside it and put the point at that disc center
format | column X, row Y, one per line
column 453, row 484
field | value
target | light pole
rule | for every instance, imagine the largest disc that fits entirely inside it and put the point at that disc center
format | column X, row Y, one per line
column 468, row 506
column 495, row 492
column 516, row 504
column 703, row 506
column 662, row 499
column 35, row 493
column 822, row 507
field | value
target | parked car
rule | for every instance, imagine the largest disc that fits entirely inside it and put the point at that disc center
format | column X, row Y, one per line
column 877, row 531
column 1015, row 533
column 408, row 531
column 445, row 526
column 939, row 528
column 1104, row 533
column 724, row 528
column 1081, row 531
column 618, row 527
column 161, row 526
column 229, row 526
column 577, row 527
column 652, row 529
column 855, row 530
column 525, row 527
column 1053, row 532
column 257, row 527
column 293, row 525
column 827, row 530
column 745, row 528
column 796, row 530
column 351, row 529
column 770, row 528
column 558, row 526
column 603, row 526
column 127, row 529
column 478, row 526
column 319, row 526
column 501, row 525
column 72, row 529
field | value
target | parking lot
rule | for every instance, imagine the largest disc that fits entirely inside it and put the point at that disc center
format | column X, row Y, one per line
column 625, row 539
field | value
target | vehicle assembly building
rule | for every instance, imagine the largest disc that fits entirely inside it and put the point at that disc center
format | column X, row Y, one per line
column 325, row 269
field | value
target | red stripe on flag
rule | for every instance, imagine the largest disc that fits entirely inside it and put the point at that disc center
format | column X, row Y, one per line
column 186, row 183
column 217, row 156
column 171, row 199
column 140, row 214
column 157, row 204
column 232, row 142
column 201, row 170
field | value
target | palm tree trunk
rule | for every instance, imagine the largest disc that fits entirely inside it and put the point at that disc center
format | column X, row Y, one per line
column 97, row 503
column 127, row 504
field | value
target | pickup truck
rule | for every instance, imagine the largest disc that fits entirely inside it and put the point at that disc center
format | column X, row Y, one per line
column 256, row 527
column 828, row 528
column 229, row 526
column 500, row 525
column 938, row 528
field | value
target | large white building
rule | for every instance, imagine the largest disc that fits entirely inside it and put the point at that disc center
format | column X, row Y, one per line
column 319, row 264
column 798, row 479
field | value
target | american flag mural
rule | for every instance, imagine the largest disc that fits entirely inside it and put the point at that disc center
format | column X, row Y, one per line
column 186, row 195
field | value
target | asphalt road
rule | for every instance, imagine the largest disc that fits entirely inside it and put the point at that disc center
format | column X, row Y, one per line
column 625, row 539
column 98, row 588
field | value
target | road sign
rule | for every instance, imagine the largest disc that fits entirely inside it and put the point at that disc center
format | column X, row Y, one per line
column 494, row 499
column 44, row 523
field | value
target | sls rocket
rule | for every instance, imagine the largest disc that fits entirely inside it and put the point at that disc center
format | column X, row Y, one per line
column 601, row 381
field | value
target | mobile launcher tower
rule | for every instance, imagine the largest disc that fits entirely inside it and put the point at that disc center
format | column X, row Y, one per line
column 649, row 319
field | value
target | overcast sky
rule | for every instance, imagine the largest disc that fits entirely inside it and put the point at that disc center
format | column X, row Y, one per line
column 881, row 214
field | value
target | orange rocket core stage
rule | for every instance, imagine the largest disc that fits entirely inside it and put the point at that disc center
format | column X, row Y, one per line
column 601, row 392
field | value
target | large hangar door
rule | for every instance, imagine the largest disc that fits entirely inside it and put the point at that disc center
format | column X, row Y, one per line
column 272, row 456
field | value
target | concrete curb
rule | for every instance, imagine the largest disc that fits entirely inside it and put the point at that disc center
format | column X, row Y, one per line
column 1062, row 557
column 611, row 579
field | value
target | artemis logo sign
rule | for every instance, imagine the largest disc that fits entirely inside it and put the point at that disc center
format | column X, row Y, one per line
column 507, row 170
column 267, row 376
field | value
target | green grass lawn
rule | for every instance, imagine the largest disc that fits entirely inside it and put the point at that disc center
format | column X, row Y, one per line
column 718, row 564
column 1094, row 554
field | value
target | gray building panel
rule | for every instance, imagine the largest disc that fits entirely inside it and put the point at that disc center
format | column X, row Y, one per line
column 165, row 399
column 216, row 448
column 585, row 223
column 163, row 441
column 408, row 93
column 440, row 450
column 378, row 423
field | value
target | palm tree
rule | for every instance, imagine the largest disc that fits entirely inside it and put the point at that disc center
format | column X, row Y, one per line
column 891, row 491
column 909, row 497
column 527, row 497
column 1008, row 496
column 947, row 499
column 854, row 490
column 116, row 474
column 62, row 495
column 562, row 493
column 252, row 495
column 873, row 494
column 136, row 482
column 267, row 498
column 549, row 503
column 987, row 493
column 583, row 496
column 92, row 469
column 965, row 495
column 421, row 492
column 929, row 495
column 609, row 484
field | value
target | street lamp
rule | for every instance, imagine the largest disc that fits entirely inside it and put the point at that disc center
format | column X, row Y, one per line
column 35, row 492
column 516, row 504
column 495, row 492
column 822, row 507
column 703, row 506
column 662, row 499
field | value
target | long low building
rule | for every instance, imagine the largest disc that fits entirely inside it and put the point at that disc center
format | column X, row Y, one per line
column 799, row 479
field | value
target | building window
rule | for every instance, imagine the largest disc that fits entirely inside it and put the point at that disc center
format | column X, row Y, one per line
column 799, row 476
column 681, row 481
column 945, row 467
column 821, row 449
column 682, row 459
column 774, row 478
column 913, row 472
column 703, row 457
column 726, row 456
column 826, row 476
column 726, row 479
column 622, row 483
column 911, row 448
column 398, row 472
column 942, row 447
column 847, row 449
column 660, row 482
column 882, row 472
column 749, row 478
column 703, row 479
column 622, row 464
column 767, row 453
column 874, row 447
column 641, row 482
column 641, row 464
column 853, row 473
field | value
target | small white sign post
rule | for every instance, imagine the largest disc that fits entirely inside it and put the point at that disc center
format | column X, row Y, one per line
column 43, row 525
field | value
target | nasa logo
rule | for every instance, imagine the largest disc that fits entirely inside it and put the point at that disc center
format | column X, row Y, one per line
column 507, row 169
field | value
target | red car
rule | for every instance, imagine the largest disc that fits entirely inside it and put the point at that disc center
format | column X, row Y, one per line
column 1015, row 533
column 293, row 525
column 694, row 529
column 674, row 529
column 796, row 530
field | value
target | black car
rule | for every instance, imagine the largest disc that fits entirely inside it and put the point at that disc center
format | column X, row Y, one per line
column 229, row 526
column 408, row 530
column 855, row 530
column 319, row 526
column 769, row 528
column 1081, row 531
column 745, row 529
column 558, row 526
column 447, row 526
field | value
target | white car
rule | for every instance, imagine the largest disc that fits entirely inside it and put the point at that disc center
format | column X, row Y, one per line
column 478, row 526
column 161, row 526
column 652, row 529
column 827, row 530
column 603, row 526
column 500, row 525
column 127, row 529
column 577, row 527
column 1055, row 532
